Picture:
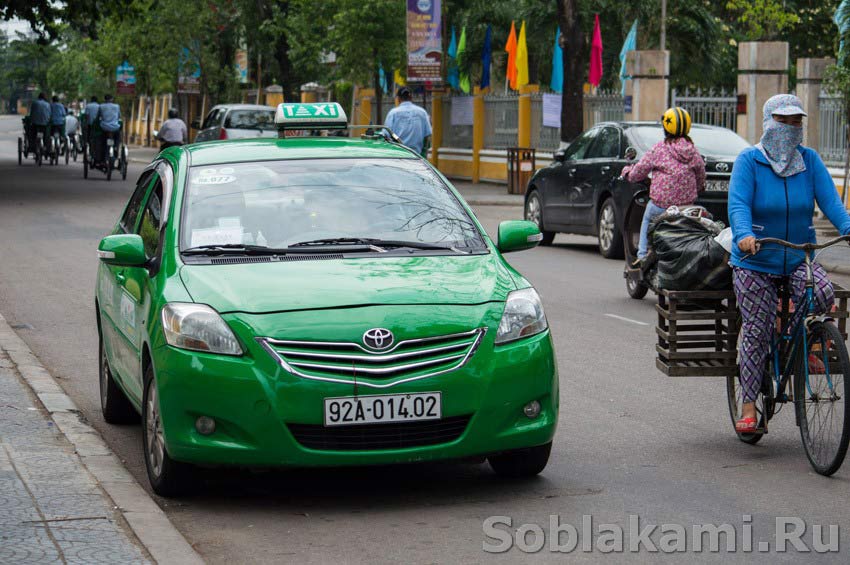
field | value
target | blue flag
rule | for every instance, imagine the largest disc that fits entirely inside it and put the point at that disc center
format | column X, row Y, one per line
column 557, row 82
column 382, row 78
column 453, row 77
column 485, row 60
column 630, row 44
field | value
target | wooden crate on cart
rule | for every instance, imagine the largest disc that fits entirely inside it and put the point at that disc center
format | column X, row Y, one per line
column 698, row 331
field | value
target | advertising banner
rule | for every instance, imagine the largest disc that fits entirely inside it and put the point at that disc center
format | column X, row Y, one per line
column 125, row 79
column 552, row 110
column 189, row 73
column 241, row 64
column 424, row 45
column 461, row 113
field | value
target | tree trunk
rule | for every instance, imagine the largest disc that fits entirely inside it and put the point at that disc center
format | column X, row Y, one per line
column 572, row 42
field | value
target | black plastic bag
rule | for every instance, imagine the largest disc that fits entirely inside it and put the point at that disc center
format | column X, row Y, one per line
column 686, row 255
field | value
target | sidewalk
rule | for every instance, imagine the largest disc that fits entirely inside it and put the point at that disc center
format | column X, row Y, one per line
column 64, row 496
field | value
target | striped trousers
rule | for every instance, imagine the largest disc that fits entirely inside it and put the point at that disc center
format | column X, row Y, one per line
column 758, row 296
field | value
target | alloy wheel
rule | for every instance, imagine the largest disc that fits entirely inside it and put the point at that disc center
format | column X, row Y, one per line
column 153, row 428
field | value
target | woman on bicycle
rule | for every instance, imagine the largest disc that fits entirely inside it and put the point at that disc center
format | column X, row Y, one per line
column 678, row 171
column 772, row 193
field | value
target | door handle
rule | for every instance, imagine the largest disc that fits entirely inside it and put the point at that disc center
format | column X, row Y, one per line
column 572, row 171
column 606, row 168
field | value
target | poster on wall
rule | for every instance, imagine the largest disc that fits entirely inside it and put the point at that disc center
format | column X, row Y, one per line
column 241, row 65
column 552, row 110
column 424, row 44
column 189, row 73
column 461, row 111
column 125, row 79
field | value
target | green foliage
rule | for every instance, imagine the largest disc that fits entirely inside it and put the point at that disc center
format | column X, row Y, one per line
column 763, row 20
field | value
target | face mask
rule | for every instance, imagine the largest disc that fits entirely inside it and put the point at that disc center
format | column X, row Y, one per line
column 779, row 143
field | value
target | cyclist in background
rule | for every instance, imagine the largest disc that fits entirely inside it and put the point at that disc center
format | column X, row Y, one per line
column 39, row 117
column 57, row 117
column 109, row 118
column 772, row 193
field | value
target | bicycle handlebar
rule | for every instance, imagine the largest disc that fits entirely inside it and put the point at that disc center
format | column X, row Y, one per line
column 802, row 246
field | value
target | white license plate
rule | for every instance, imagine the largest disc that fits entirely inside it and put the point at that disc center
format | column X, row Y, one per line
column 717, row 185
column 110, row 142
column 347, row 410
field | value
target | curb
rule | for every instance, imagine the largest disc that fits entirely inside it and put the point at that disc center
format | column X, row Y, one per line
column 147, row 520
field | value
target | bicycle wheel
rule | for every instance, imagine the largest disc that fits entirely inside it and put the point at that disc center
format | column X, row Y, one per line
column 735, row 398
column 819, row 395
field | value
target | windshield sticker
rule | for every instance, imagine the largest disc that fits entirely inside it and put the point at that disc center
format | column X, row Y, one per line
column 230, row 222
column 216, row 236
column 214, row 176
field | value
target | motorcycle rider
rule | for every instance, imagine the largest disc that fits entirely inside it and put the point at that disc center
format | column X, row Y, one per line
column 173, row 131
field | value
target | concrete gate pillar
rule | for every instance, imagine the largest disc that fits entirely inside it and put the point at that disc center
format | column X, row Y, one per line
column 646, row 93
column 809, row 84
column 762, row 73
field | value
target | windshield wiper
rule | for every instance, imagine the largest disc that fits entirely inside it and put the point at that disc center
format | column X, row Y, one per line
column 231, row 248
column 379, row 244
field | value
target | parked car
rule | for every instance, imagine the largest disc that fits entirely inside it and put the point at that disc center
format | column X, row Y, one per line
column 575, row 193
column 235, row 121
column 325, row 301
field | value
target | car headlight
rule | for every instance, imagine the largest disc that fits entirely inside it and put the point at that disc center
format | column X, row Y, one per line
column 199, row 328
column 523, row 316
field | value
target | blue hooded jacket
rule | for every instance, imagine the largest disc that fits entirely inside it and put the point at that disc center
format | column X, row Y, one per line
column 763, row 204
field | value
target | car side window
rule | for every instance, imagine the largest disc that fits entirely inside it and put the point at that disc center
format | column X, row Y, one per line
column 131, row 213
column 578, row 148
column 606, row 145
column 213, row 118
column 149, row 226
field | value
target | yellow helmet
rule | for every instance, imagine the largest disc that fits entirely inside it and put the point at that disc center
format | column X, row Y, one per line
column 676, row 121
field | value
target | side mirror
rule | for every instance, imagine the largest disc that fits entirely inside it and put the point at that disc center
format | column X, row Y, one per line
column 126, row 250
column 630, row 154
column 196, row 123
column 560, row 154
column 516, row 235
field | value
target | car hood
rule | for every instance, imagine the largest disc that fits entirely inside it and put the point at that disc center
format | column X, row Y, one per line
column 336, row 283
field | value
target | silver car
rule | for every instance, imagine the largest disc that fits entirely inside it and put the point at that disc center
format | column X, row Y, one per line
column 236, row 121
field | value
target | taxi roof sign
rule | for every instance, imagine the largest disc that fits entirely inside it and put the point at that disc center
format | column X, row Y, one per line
column 319, row 115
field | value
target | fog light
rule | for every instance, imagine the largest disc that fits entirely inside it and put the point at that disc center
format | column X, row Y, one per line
column 532, row 409
column 205, row 425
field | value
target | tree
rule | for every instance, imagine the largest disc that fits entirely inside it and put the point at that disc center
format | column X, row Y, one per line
column 573, row 42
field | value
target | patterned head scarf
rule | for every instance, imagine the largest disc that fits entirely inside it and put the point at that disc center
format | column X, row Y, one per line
column 779, row 141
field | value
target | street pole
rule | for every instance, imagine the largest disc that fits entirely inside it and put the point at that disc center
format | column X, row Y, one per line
column 663, row 24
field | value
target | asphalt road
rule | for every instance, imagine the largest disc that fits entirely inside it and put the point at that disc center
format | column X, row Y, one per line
column 630, row 441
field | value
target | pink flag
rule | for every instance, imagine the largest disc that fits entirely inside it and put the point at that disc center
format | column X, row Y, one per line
column 594, row 77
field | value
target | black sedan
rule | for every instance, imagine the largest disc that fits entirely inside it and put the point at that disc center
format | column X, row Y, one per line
column 575, row 194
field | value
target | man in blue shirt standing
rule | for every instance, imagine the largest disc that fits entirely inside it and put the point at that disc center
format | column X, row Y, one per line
column 410, row 122
column 57, row 117
column 110, row 123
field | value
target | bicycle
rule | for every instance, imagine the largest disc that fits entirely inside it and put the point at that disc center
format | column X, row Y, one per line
column 807, row 365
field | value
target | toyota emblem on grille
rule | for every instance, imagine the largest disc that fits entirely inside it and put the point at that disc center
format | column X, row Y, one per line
column 378, row 338
column 722, row 167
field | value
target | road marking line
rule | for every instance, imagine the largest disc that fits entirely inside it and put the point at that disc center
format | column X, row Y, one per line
column 627, row 319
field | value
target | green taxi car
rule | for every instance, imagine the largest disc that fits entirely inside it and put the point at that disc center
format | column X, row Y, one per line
column 318, row 301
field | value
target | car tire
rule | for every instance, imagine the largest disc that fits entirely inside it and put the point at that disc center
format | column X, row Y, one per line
column 522, row 462
column 167, row 477
column 609, row 233
column 114, row 405
column 534, row 213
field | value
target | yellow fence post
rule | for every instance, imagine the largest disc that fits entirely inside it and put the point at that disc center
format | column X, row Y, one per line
column 436, row 126
column 274, row 95
column 524, row 115
column 477, row 132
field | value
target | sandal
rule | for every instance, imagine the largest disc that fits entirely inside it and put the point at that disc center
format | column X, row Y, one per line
column 748, row 426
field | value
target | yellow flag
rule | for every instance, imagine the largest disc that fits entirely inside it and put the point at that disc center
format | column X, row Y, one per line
column 522, row 58
column 398, row 79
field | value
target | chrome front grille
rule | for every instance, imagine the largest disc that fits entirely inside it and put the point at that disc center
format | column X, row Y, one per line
column 347, row 362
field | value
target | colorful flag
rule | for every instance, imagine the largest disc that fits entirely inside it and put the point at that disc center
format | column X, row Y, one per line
column 461, row 52
column 398, row 79
column 510, row 49
column 485, row 60
column 630, row 44
column 382, row 79
column 594, row 77
column 557, row 82
column 453, row 79
column 521, row 59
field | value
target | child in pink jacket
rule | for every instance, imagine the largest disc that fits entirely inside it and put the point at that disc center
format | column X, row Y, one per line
column 678, row 171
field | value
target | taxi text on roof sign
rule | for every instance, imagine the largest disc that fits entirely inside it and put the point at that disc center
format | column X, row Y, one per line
column 322, row 115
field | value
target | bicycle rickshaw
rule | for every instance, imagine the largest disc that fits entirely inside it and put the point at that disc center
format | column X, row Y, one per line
column 115, row 153
column 32, row 143
column 808, row 364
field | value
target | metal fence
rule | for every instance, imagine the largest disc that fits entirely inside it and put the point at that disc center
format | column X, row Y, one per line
column 716, row 108
column 454, row 136
column 500, row 121
column 543, row 138
column 603, row 107
column 833, row 126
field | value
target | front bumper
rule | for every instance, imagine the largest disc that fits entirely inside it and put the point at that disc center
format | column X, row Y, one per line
column 253, row 399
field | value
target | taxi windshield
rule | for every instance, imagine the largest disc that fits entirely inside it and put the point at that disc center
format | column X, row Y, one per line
column 281, row 203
